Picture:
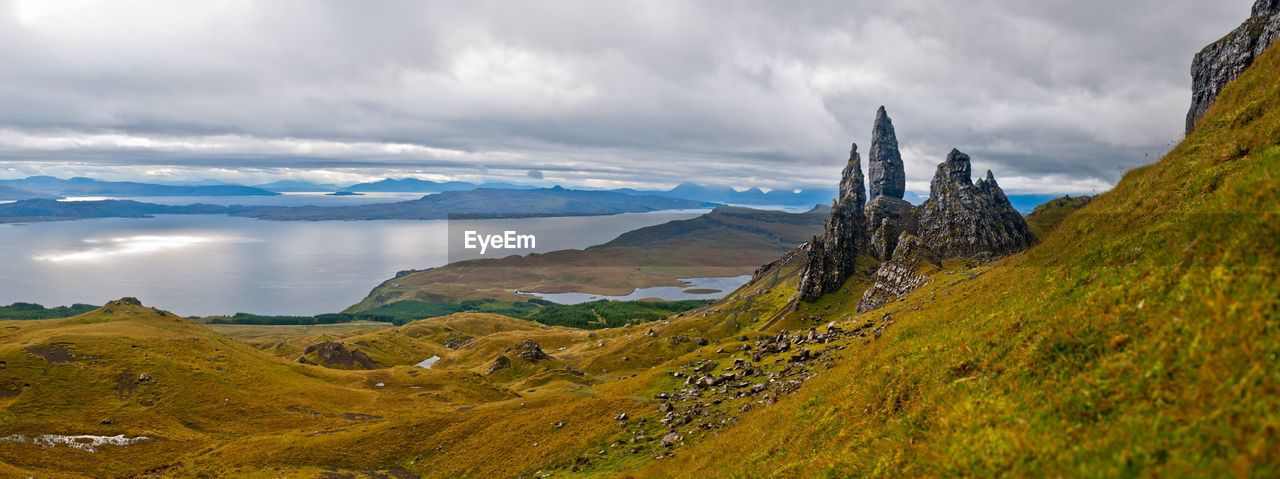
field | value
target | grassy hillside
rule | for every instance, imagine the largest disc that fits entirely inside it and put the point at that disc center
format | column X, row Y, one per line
column 728, row 241
column 1050, row 214
column 1138, row 339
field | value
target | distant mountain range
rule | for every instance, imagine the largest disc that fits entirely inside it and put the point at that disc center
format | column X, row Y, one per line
column 26, row 211
column 9, row 193
column 480, row 203
column 50, row 187
column 752, row 196
column 91, row 187
column 414, row 185
column 47, row 186
column 289, row 186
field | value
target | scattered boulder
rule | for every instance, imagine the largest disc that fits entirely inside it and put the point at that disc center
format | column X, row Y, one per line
column 528, row 350
column 670, row 439
column 455, row 342
column 802, row 356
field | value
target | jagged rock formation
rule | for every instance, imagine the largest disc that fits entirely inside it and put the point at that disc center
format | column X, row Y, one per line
column 832, row 257
column 908, row 270
column 972, row 220
column 1224, row 60
column 884, row 162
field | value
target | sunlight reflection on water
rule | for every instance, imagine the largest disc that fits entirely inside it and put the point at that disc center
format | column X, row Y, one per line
column 132, row 245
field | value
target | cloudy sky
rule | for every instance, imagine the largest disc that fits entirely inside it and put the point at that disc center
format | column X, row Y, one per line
column 1055, row 96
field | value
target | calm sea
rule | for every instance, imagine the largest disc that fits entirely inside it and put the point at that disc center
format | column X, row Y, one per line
column 214, row 264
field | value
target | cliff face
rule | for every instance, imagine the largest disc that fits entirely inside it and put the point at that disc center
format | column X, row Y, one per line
column 832, row 257
column 908, row 269
column 1224, row 60
column 970, row 220
column 898, row 215
column 884, row 161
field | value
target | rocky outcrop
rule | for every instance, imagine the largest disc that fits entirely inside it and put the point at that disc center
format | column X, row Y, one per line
column 908, row 270
column 884, row 240
column 335, row 354
column 970, row 220
column 528, row 350
column 499, row 363
column 832, row 257
column 884, row 161
column 1224, row 60
column 898, row 212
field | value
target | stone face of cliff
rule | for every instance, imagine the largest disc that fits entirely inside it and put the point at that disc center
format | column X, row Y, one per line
column 1224, row 60
column 832, row 257
column 884, row 239
column 884, row 161
column 970, row 220
column 908, row 270
column 898, row 214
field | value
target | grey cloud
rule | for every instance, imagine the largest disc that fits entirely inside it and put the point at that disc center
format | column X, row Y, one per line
column 744, row 93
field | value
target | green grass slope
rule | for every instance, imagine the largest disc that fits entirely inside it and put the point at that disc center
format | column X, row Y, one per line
column 1139, row 339
column 1049, row 215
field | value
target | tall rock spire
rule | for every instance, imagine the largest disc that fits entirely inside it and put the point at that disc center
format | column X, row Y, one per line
column 852, row 188
column 832, row 257
column 884, row 162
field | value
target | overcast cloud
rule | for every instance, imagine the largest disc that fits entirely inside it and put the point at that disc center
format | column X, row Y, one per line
column 1054, row 96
